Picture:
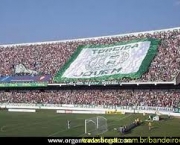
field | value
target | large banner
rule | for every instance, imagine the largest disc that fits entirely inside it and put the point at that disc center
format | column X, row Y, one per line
column 33, row 84
column 26, row 78
column 24, row 81
column 129, row 59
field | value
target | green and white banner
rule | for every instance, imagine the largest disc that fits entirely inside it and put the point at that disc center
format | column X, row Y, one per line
column 103, row 62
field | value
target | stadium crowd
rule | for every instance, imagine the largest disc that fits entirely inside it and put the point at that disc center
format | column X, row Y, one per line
column 160, row 98
column 48, row 58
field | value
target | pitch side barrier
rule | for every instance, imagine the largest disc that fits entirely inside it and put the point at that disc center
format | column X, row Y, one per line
column 107, row 83
column 89, row 109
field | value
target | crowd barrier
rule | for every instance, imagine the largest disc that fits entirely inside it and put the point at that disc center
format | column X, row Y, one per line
column 80, row 112
column 90, row 109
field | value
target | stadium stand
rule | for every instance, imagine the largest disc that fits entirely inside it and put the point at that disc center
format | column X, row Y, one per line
column 160, row 98
column 39, row 60
column 31, row 81
column 47, row 58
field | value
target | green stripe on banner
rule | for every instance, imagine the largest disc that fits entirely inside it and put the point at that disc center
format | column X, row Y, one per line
column 23, row 85
column 108, row 62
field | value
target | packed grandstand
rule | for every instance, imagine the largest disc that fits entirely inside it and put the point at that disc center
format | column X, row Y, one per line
column 42, row 62
column 160, row 98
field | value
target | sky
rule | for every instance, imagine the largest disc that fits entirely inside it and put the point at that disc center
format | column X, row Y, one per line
column 26, row 21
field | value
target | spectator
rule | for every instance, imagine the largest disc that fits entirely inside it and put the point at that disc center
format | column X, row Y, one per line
column 158, row 98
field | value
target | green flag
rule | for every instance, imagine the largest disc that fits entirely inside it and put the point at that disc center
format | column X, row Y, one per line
column 103, row 62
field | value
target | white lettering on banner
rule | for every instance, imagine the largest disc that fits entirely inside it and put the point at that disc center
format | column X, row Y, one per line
column 118, row 59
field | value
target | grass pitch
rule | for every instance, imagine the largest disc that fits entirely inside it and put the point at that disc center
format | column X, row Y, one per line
column 50, row 124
